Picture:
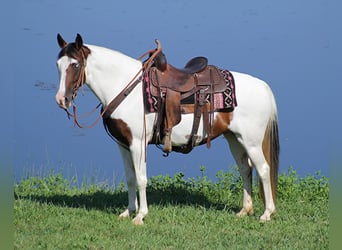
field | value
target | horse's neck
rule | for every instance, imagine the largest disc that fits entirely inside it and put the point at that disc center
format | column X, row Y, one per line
column 108, row 72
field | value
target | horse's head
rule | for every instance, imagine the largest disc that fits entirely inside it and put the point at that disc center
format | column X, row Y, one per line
column 71, row 65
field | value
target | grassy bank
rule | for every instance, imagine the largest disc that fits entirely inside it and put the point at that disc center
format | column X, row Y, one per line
column 54, row 213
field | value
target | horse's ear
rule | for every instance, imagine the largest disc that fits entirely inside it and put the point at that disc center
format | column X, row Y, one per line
column 78, row 42
column 61, row 41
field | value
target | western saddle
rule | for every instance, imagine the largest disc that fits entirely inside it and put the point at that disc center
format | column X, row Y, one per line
column 172, row 85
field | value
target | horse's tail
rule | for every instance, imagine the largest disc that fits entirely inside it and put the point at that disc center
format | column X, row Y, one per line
column 271, row 149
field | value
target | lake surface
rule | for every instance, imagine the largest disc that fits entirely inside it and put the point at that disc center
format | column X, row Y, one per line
column 292, row 45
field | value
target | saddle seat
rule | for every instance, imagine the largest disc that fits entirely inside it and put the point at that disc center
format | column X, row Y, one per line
column 172, row 85
column 178, row 79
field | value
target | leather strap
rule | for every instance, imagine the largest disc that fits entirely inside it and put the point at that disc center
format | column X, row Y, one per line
column 110, row 108
column 197, row 117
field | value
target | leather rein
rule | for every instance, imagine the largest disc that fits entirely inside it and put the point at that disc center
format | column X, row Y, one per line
column 111, row 107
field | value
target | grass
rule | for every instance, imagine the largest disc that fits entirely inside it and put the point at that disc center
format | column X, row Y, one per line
column 54, row 213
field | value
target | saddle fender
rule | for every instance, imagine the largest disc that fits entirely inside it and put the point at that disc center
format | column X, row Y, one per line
column 172, row 108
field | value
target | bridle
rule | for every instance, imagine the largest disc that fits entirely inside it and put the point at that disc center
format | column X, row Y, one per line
column 79, row 69
column 79, row 82
column 110, row 108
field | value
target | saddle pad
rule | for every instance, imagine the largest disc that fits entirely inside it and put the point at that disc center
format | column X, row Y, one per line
column 224, row 101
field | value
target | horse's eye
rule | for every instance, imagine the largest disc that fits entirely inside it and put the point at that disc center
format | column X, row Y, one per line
column 76, row 65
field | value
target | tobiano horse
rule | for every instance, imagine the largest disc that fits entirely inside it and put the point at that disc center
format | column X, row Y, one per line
column 251, row 129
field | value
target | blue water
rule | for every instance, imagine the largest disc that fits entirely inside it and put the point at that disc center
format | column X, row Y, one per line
column 292, row 45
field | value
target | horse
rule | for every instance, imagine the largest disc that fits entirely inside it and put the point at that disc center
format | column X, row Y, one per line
column 251, row 129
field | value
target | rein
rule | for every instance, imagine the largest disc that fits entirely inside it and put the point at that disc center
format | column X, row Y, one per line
column 110, row 108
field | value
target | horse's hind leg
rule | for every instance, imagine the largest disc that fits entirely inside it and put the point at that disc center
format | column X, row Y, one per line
column 245, row 169
column 257, row 156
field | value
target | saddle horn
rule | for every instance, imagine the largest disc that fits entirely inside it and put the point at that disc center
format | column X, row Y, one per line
column 160, row 59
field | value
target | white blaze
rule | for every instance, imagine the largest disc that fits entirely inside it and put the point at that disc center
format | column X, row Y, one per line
column 63, row 63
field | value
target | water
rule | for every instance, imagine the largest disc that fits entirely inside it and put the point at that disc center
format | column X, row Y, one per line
column 291, row 45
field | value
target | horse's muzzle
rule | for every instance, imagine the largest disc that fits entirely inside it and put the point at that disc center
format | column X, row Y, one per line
column 62, row 101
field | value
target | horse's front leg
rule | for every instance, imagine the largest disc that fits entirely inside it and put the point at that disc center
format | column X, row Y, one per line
column 135, row 171
column 131, row 183
column 139, row 162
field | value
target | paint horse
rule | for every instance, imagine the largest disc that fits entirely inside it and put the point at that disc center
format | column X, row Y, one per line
column 251, row 129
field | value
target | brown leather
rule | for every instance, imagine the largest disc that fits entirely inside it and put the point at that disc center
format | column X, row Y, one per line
column 173, row 115
column 194, row 65
column 213, row 78
column 172, row 78
column 190, row 108
column 172, row 85
column 180, row 81
column 160, row 61
column 172, row 106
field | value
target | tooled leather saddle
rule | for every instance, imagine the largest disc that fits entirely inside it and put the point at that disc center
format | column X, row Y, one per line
column 172, row 85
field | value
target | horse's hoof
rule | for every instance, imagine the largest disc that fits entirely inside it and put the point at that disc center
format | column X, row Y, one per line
column 267, row 215
column 138, row 221
column 245, row 212
column 125, row 214
column 265, row 218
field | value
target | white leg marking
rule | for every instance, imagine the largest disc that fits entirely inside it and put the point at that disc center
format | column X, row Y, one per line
column 138, row 157
column 263, row 169
column 131, row 183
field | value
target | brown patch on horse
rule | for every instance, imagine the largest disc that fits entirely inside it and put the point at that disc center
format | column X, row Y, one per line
column 76, row 72
column 271, row 148
column 221, row 123
column 119, row 130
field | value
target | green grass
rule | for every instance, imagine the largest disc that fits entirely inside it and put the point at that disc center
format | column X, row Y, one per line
column 54, row 213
